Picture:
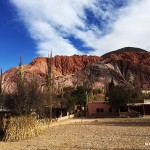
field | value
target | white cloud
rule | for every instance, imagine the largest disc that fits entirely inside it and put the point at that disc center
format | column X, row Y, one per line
column 130, row 29
column 51, row 22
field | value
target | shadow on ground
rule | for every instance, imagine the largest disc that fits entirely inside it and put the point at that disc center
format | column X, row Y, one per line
column 126, row 124
column 121, row 122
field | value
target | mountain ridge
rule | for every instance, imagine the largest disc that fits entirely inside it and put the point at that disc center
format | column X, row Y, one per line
column 123, row 67
column 124, row 49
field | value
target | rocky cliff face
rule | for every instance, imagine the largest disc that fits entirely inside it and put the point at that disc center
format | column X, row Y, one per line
column 126, row 66
column 62, row 65
column 137, row 74
column 135, row 55
column 123, row 72
column 69, row 65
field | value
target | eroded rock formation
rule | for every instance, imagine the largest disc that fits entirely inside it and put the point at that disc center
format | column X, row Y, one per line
column 126, row 66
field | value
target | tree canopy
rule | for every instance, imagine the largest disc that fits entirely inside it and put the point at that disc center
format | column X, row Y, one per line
column 80, row 95
column 118, row 96
column 121, row 96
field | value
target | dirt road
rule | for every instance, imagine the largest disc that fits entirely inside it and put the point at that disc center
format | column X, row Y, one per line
column 89, row 134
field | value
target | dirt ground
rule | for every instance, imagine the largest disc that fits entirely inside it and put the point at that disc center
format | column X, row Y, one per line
column 109, row 133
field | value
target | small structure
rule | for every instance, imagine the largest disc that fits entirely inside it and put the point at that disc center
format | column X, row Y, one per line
column 143, row 108
column 101, row 109
column 59, row 109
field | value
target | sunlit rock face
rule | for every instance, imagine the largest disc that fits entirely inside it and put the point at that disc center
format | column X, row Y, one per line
column 128, row 66
column 61, row 66
column 133, row 64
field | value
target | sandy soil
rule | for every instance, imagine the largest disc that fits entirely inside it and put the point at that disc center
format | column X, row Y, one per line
column 89, row 134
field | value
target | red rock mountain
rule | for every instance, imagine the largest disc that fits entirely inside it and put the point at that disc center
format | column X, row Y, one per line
column 130, row 66
column 127, row 65
column 131, row 54
column 62, row 65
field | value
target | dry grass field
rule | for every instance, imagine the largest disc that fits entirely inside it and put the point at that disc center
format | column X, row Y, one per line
column 88, row 134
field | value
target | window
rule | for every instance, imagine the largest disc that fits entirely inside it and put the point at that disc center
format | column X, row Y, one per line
column 102, row 109
column 98, row 110
column 110, row 109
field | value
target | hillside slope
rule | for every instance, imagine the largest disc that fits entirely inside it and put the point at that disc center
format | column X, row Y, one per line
column 127, row 66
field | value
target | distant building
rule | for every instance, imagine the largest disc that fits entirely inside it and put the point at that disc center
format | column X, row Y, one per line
column 147, row 91
column 98, row 107
column 143, row 108
column 101, row 109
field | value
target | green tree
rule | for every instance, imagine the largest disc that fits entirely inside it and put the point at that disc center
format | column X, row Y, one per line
column 69, row 98
column 135, row 94
column 111, row 85
column 119, row 96
column 80, row 95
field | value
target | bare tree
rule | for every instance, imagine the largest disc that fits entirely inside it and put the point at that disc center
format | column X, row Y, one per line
column 19, row 93
column 62, row 100
column 34, row 96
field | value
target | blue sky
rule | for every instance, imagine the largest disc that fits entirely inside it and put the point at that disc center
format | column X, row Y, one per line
column 15, row 41
column 33, row 28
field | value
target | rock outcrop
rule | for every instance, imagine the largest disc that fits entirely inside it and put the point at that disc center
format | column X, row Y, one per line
column 126, row 66
column 62, row 66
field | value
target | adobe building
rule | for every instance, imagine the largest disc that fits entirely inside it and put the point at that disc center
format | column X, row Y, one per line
column 101, row 109
column 97, row 105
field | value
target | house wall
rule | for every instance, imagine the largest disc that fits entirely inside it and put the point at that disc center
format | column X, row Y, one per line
column 95, row 110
